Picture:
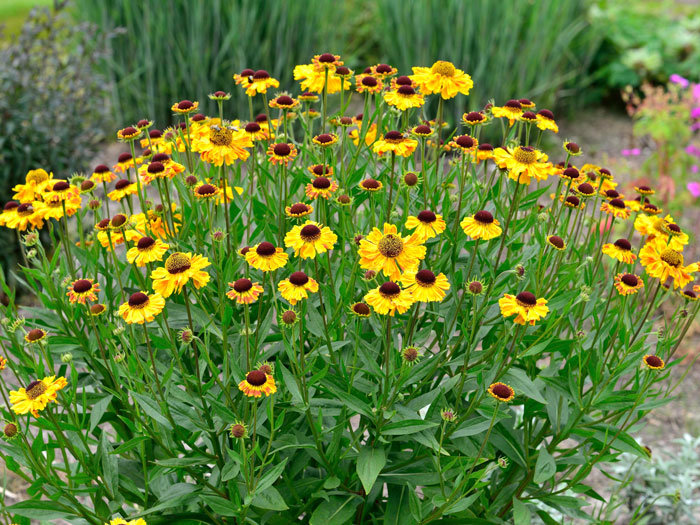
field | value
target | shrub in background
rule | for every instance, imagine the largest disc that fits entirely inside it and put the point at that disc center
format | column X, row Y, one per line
column 53, row 104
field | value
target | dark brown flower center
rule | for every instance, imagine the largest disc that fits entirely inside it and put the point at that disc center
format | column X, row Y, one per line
column 35, row 389
column 87, row 185
column 427, row 216
column 327, row 58
column 389, row 289
column 242, row 285
column 673, row 227
column 483, row 217
column 572, row 147
column 556, row 241
column 61, row 186
column 324, row 138
column 546, row 114
column 185, row 104
column 252, row 127
column 623, row 244
column 342, row 71
column 118, row 220
column 586, row 189
column 370, row 184
column 411, row 179
column 285, row 100
column 289, row 317
column 425, row 277
column 35, row 335
column 124, row 157
column 101, row 169
column 82, row 286
column 474, row 116
column 138, row 300
column 476, row 287
column 404, row 81
column 390, row 246
column 145, row 243
column 298, row 278
column 617, row 203
column 310, row 233
column 247, row 72
column 465, row 141
column 321, row 183
column 529, row 115
column 526, row 299
column 485, row 147
column 121, row 184
column 612, row 194
column 265, row 249
column 178, row 263
column 573, row 200
column 502, row 391
column 360, row 308
column 256, row 378
column 513, row 104
column 369, row 81
column 393, row 136
column 629, row 279
column 570, row 173
column 298, row 208
column 156, row 167
column 10, row 430
column 206, row 189
column 422, row 130
column 654, row 361
column 406, row 90
column 96, row 309
column 128, row 131
column 11, row 205
column 282, row 149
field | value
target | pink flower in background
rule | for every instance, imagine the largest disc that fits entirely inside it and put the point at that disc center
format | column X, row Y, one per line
column 631, row 152
column 696, row 91
column 695, row 126
column 695, row 168
column 694, row 189
column 677, row 79
column 692, row 150
column 695, row 113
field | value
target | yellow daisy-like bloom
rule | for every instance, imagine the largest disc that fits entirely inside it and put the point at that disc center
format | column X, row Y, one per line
column 321, row 187
column 372, row 185
column 9, row 212
column 298, row 209
column 281, row 153
column 184, row 106
column 83, row 290
column 225, row 145
column 266, row 257
column 179, row 269
column 545, row 121
column 666, row 263
column 689, row 295
column 121, row 521
column 621, row 250
column 203, row 191
column 35, row 335
column 525, row 306
column 244, row 291
column 383, row 71
column 368, row 84
column 310, row 239
column 474, row 118
column 3, row 363
column 425, row 286
column 313, row 79
column 512, row 110
column 389, row 298
column 524, row 163
column 427, row 225
column 147, row 250
column 396, row 143
column 628, row 284
column 403, row 98
column 53, row 208
column 483, row 152
column 257, row 132
column 26, row 216
column 464, row 143
column 297, row 287
column 390, row 252
column 36, row 182
column 616, row 208
column 124, row 162
column 284, row 102
column 653, row 362
column 122, row 188
column 501, row 392
column 34, row 398
column 481, row 225
column 142, row 308
column 360, row 309
column 556, row 242
column 128, row 133
column 325, row 139
column 257, row 383
column 662, row 229
column 645, row 225
column 443, row 78
column 61, row 191
column 422, row 131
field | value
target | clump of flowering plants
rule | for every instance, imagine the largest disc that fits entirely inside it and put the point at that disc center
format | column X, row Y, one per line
column 313, row 317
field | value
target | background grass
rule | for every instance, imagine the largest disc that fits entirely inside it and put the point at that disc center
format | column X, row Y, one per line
column 13, row 13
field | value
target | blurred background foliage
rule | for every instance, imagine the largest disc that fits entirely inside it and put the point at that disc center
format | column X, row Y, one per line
column 69, row 78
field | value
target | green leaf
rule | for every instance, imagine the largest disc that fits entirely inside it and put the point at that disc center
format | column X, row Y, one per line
column 270, row 476
column 545, row 466
column 97, row 411
column 39, row 510
column 110, row 465
column 151, row 408
column 398, row 506
column 334, row 511
column 131, row 444
column 521, row 514
column 369, row 464
column 269, row 499
column 409, row 426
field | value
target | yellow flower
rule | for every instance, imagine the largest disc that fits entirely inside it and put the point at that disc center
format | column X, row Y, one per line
column 371, row 136
column 621, row 250
column 390, row 252
column 321, row 187
column 313, row 79
column 372, row 185
column 224, row 145
column 179, row 269
column 297, row 287
column 545, row 121
column 26, row 216
column 653, row 362
column 147, row 250
column 665, row 263
column 501, row 392
column 389, row 298
column 396, row 143
column 425, row 286
column 184, row 106
column 281, row 153
column 512, row 110
column 310, row 239
column 36, row 183
column 36, row 395
column 142, row 308
column 523, row 163
column 9, row 212
column 442, row 78
column 244, row 291
column 122, row 188
column 556, row 242
column 266, row 257
column 257, row 383
column 35, row 335
column 204, row 191
column 481, row 225
column 616, row 208
column 83, row 290
column 298, row 209
column 427, row 225
column 121, row 521
column 53, row 208
column 403, row 98
column 368, row 84
column 464, row 143
column 628, row 284
column 525, row 306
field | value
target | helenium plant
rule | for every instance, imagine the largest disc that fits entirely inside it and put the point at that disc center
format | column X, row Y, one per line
column 299, row 315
